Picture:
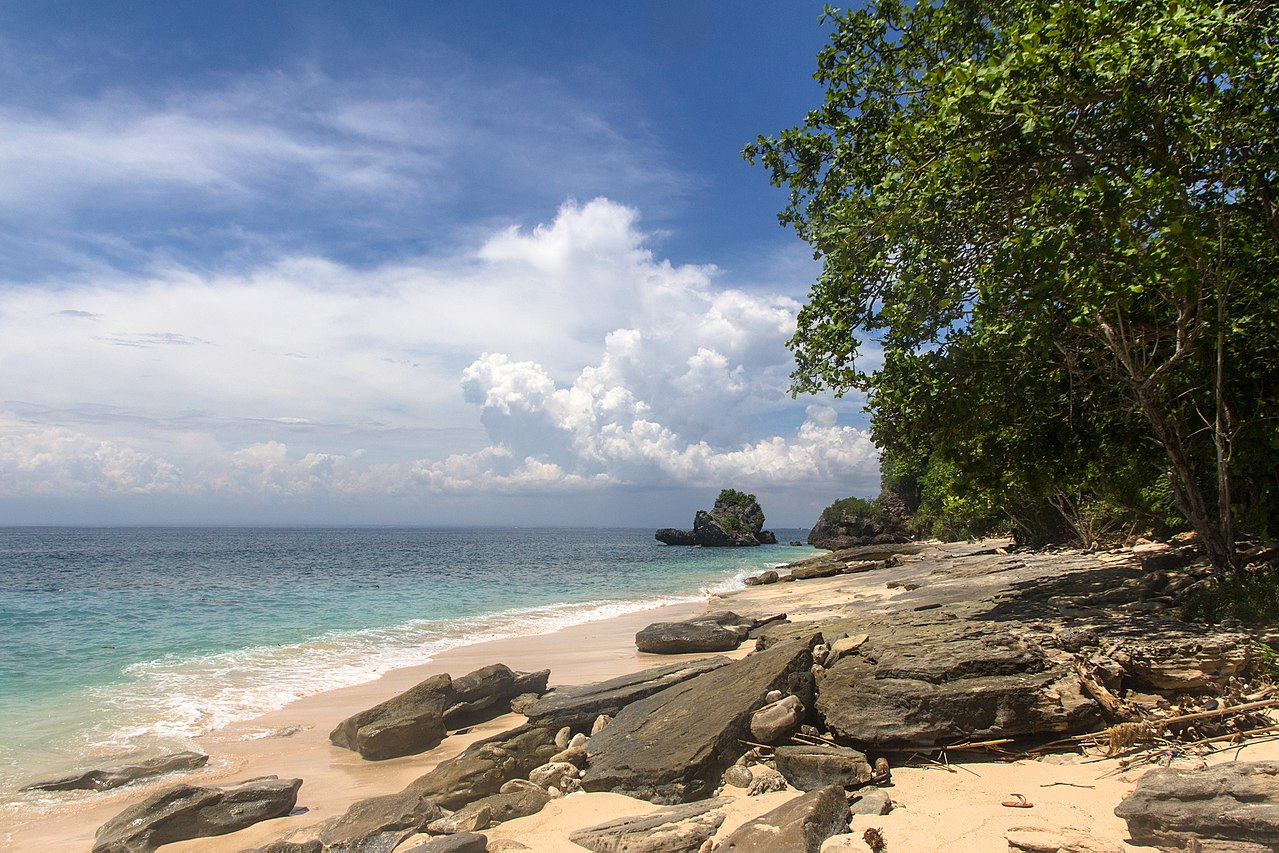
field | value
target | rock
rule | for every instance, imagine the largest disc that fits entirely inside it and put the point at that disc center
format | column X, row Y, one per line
column 852, row 522
column 1030, row 839
column 674, row 746
column 738, row 776
column 1185, row 661
column 555, row 774
column 766, row 783
column 406, row 724
column 563, row 736
column 378, row 824
column 678, row 638
column 417, row 719
column 466, row 819
column 811, row 767
column 114, row 777
column 844, row 647
column 918, row 683
column 183, row 812
column 1235, row 803
column 501, row 845
column 575, row 755
column 487, row 693
column 775, row 721
column 577, row 707
column 797, row 826
column 677, row 829
column 762, row 579
column 873, row 801
column 735, row 520
column 311, row 845
column 523, row 702
column 509, row 805
column 463, row 842
column 600, row 722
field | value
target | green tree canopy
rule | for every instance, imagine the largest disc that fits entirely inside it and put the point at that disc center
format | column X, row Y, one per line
column 1060, row 221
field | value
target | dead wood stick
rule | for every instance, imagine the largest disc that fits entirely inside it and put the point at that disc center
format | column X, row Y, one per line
column 981, row 744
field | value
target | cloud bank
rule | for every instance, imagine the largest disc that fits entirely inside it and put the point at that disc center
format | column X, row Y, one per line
column 562, row 359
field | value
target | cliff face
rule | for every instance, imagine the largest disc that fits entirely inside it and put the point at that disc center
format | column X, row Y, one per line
column 736, row 520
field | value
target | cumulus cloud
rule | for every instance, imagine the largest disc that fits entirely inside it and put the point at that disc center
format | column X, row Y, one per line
column 564, row 358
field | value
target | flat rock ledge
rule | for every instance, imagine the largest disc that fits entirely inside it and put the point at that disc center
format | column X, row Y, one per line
column 675, row 745
column 184, row 812
column 668, row 830
column 579, row 707
column 1229, row 807
column 115, row 777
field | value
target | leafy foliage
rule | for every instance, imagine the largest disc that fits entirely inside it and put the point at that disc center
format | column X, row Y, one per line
column 853, row 507
column 1250, row 597
column 1060, row 223
column 732, row 497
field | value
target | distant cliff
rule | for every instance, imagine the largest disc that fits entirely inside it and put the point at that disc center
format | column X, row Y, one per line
column 734, row 521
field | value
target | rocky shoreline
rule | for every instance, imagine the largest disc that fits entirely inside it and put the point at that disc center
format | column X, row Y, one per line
column 831, row 728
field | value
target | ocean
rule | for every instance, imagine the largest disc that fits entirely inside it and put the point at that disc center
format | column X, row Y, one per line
column 126, row 641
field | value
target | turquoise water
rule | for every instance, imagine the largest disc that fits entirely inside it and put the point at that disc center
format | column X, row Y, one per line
column 120, row 640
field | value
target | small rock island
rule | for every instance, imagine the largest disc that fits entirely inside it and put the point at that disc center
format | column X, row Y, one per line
column 736, row 520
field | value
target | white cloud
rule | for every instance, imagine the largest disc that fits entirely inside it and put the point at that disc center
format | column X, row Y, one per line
column 588, row 363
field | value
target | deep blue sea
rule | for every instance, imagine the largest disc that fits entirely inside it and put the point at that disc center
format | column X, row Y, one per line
column 116, row 641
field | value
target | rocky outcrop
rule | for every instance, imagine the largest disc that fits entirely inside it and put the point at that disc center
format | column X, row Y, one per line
column 798, row 826
column 721, row 631
column 114, row 777
column 735, row 520
column 463, row 842
column 673, row 746
column 380, row 823
column 671, row 830
column 851, row 522
column 579, row 707
column 1229, row 807
column 184, row 812
column 918, row 683
column 418, row 719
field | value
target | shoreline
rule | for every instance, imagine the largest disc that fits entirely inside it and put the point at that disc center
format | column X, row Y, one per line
column 293, row 740
column 954, row 803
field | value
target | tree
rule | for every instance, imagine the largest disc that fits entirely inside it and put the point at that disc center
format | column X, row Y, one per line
column 1091, row 186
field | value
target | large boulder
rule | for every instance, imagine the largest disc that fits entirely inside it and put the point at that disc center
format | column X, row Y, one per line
column 678, row 638
column 674, row 745
column 183, row 812
column 1228, row 807
column 919, row 685
column 735, row 520
column 578, row 707
column 114, row 777
column 419, row 718
column 797, row 826
column 379, row 824
column 406, row 724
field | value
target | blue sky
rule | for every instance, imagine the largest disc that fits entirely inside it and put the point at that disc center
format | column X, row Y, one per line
column 425, row 263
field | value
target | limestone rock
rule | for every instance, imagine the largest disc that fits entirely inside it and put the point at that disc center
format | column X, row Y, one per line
column 114, row 777
column 677, row 829
column 183, row 812
column 488, row 691
column 1235, row 803
column 811, row 767
column 466, row 819
column 916, row 684
column 578, row 707
column 735, row 520
column 1026, row 839
column 739, row 776
column 776, row 720
column 797, row 826
column 509, row 805
column 674, row 746
column 766, row 783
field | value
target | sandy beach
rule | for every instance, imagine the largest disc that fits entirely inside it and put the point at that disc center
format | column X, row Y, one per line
column 955, row 807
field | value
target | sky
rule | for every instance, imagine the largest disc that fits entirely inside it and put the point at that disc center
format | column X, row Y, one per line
column 427, row 263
